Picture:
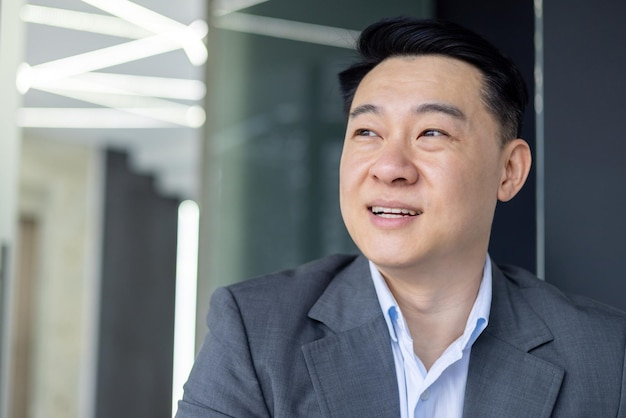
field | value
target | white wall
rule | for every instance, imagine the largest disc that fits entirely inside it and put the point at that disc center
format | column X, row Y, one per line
column 60, row 188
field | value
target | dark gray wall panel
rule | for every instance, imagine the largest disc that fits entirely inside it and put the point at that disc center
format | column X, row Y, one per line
column 137, row 297
column 585, row 126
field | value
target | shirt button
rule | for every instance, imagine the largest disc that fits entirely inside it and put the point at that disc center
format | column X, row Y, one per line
column 425, row 395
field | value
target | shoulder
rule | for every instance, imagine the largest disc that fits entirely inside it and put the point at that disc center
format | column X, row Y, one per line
column 270, row 314
column 557, row 307
column 584, row 339
column 312, row 275
column 294, row 288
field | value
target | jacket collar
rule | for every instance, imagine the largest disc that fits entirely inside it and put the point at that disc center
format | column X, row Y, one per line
column 349, row 300
column 504, row 378
column 352, row 369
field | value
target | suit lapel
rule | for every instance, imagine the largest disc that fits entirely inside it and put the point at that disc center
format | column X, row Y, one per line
column 352, row 369
column 504, row 378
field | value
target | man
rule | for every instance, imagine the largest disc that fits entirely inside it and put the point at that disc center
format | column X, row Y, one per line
column 422, row 324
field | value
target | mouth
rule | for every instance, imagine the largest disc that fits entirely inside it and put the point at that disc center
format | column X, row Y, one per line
column 384, row 212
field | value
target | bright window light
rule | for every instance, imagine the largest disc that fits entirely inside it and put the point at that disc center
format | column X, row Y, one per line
column 186, row 292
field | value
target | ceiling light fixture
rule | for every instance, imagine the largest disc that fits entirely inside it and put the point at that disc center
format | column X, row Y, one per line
column 43, row 74
column 287, row 29
column 188, row 37
column 224, row 7
column 100, row 118
column 164, row 110
column 81, row 21
column 163, row 87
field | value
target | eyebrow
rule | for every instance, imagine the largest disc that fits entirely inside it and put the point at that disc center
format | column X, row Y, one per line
column 366, row 108
column 447, row 109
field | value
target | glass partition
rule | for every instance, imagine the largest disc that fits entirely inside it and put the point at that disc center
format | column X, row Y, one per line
column 275, row 133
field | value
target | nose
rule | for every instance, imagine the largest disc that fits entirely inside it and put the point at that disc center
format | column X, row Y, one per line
column 395, row 164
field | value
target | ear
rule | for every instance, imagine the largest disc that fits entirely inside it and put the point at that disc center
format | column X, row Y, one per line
column 516, row 166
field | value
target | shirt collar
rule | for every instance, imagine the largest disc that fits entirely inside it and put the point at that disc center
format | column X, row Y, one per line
column 476, row 322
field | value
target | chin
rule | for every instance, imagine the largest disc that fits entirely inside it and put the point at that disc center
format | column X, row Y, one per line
column 384, row 258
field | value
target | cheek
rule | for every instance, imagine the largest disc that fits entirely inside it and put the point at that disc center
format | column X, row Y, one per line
column 347, row 181
column 344, row 177
column 352, row 168
column 481, row 195
column 348, row 199
column 471, row 184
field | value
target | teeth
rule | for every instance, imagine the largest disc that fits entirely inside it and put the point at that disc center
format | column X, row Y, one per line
column 391, row 212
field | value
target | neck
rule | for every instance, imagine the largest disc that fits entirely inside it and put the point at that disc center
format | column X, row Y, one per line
column 436, row 308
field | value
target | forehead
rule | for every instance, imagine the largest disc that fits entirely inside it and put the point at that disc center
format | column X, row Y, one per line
column 423, row 77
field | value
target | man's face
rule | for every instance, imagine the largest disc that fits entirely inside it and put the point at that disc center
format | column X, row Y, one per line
column 421, row 165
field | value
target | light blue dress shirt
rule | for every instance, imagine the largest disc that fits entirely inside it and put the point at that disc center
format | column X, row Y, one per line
column 440, row 392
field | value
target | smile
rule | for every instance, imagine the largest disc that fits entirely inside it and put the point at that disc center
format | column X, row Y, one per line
column 393, row 212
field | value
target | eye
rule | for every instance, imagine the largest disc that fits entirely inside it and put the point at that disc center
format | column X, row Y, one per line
column 433, row 132
column 364, row 132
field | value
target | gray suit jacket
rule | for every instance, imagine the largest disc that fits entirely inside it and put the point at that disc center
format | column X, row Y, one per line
column 312, row 342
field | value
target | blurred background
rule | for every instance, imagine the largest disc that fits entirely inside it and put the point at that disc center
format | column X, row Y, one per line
column 151, row 151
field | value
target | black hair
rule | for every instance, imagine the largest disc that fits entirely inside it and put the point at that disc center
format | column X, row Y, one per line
column 504, row 91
